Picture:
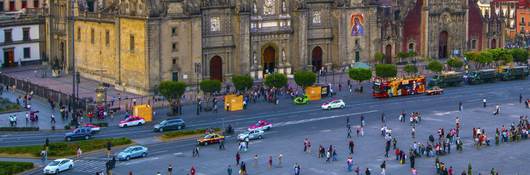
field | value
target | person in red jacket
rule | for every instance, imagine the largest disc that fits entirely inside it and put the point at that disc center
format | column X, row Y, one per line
column 192, row 170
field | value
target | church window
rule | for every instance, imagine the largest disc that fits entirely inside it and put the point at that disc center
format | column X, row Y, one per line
column 174, row 31
column 78, row 33
column 411, row 47
column 175, row 76
column 215, row 24
column 92, row 35
column 174, row 61
column 131, row 43
column 107, row 37
column 268, row 7
column 174, row 47
column 316, row 17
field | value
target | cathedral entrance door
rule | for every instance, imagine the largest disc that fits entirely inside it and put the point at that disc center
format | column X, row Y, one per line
column 316, row 59
column 216, row 68
column 269, row 60
column 388, row 54
column 493, row 43
column 442, row 44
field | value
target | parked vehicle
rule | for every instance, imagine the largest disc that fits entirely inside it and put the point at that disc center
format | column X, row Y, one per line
column 481, row 76
column 383, row 88
column 447, row 79
column 301, row 100
column 79, row 133
column 260, row 125
column 170, row 124
column 132, row 121
column 251, row 135
column 512, row 73
column 58, row 165
column 132, row 152
column 210, row 138
column 434, row 91
column 333, row 104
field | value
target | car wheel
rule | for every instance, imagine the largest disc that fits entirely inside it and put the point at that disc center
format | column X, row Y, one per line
column 329, row 107
column 70, row 167
column 127, row 158
column 161, row 129
column 260, row 137
column 140, row 123
column 125, row 126
column 179, row 127
column 342, row 106
column 56, row 171
column 144, row 154
column 205, row 143
column 87, row 137
column 68, row 139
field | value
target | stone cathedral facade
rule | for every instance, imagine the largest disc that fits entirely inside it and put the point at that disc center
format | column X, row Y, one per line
column 135, row 44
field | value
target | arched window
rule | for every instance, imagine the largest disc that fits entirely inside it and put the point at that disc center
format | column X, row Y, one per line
column 411, row 47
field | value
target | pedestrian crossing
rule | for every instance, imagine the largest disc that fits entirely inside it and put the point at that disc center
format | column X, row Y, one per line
column 88, row 166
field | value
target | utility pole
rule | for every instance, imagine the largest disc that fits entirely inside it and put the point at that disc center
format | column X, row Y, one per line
column 74, row 75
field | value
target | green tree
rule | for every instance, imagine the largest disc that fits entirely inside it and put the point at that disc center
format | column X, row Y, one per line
column 385, row 70
column 455, row 63
column 410, row 69
column 305, row 78
column 276, row 80
column 503, row 57
column 435, row 66
column 242, row 82
column 519, row 55
column 210, row 86
column 379, row 57
column 172, row 91
column 484, row 59
column 402, row 56
column 360, row 74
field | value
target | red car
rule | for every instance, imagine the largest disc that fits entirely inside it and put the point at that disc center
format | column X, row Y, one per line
column 260, row 125
column 132, row 121
column 93, row 127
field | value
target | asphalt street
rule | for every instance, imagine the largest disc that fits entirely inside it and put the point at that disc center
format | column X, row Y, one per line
column 294, row 123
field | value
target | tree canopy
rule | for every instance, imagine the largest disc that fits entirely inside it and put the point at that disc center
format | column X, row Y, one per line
column 276, row 80
column 385, row 70
column 210, row 86
column 242, row 82
column 435, row 66
column 305, row 78
column 519, row 55
column 172, row 91
column 360, row 74
column 411, row 69
column 455, row 63
column 379, row 57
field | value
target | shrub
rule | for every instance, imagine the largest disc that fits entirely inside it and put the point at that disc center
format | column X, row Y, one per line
column 386, row 70
column 9, row 168
column 62, row 149
column 305, row 78
column 19, row 128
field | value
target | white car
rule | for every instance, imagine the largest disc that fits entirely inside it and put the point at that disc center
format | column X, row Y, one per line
column 251, row 135
column 333, row 104
column 58, row 165
column 132, row 121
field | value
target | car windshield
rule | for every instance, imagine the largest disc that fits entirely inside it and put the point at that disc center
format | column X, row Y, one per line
column 163, row 122
column 54, row 163
column 245, row 133
column 129, row 149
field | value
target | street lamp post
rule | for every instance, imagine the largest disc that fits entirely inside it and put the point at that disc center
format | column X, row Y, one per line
column 74, row 76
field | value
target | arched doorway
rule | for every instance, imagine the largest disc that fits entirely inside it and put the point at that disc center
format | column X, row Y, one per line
column 493, row 43
column 216, row 68
column 442, row 44
column 269, row 60
column 388, row 54
column 316, row 59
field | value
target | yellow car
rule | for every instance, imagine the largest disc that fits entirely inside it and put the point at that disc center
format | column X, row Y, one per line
column 210, row 139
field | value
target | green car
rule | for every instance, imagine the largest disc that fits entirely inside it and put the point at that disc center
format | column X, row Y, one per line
column 301, row 100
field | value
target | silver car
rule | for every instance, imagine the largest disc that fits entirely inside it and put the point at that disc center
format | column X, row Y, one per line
column 250, row 135
column 132, row 152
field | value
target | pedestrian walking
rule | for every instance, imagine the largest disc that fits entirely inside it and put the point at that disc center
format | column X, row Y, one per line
column 383, row 118
column 238, row 158
column 280, row 157
column 270, row 162
column 413, row 132
column 460, row 106
column 196, row 151
column 229, row 170
column 79, row 152
column 255, row 160
column 349, row 163
column 192, row 170
column 44, row 156
column 520, row 98
column 484, row 102
column 296, row 169
column 351, row 146
column 497, row 110
column 222, row 144
column 383, row 167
